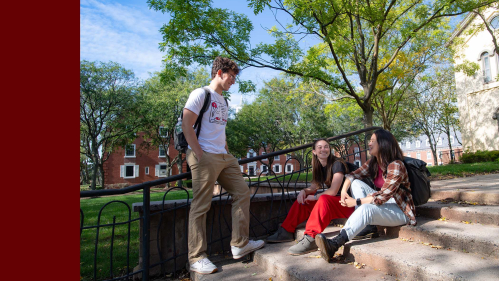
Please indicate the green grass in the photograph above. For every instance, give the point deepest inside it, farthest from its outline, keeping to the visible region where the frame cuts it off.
(91, 208)
(462, 170)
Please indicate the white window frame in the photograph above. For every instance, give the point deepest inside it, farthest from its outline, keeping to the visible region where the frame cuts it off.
(408, 154)
(427, 142)
(418, 143)
(440, 141)
(407, 144)
(289, 165)
(486, 69)
(146, 171)
(452, 139)
(158, 170)
(242, 168)
(135, 171)
(265, 159)
(164, 150)
(277, 165)
(130, 156)
(250, 153)
(428, 155)
(165, 131)
(277, 157)
(418, 155)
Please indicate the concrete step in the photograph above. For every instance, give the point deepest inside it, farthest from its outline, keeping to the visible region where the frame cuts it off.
(482, 240)
(482, 189)
(488, 214)
(414, 261)
(274, 263)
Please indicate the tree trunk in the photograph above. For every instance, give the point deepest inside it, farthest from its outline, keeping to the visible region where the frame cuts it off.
(95, 156)
(101, 169)
(368, 116)
(179, 167)
(450, 147)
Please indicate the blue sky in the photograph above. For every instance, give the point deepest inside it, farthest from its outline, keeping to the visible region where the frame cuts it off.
(127, 32)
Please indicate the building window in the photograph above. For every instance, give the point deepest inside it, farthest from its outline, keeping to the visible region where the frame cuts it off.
(439, 153)
(288, 156)
(251, 153)
(276, 157)
(130, 150)
(486, 67)
(251, 170)
(162, 151)
(161, 170)
(129, 171)
(356, 150)
(289, 168)
(427, 142)
(418, 143)
(408, 154)
(265, 159)
(452, 139)
(418, 155)
(428, 155)
(242, 168)
(277, 168)
(495, 22)
(407, 144)
(147, 171)
(429, 164)
(163, 132)
(264, 168)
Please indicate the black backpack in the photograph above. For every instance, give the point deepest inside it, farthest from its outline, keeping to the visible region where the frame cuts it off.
(419, 179)
(179, 140)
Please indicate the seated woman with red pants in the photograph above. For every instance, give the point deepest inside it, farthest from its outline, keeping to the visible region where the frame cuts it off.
(319, 209)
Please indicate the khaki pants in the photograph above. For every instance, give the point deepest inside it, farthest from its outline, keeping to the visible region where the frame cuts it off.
(223, 168)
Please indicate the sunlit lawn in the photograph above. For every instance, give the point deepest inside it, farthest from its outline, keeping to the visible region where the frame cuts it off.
(120, 212)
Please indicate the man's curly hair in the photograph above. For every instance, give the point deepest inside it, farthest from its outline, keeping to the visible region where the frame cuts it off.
(225, 64)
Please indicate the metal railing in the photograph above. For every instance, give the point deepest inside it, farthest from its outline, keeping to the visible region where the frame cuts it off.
(102, 248)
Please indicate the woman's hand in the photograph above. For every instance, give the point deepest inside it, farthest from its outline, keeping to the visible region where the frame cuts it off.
(301, 196)
(349, 202)
(344, 196)
(310, 198)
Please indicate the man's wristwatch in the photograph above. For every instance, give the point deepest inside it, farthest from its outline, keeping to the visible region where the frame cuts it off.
(358, 202)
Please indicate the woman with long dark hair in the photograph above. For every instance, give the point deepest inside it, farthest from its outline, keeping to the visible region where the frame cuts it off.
(392, 205)
(319, 209)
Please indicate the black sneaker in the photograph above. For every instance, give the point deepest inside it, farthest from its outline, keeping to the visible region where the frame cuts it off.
(370, 231)
(329, 246)
(281, 235)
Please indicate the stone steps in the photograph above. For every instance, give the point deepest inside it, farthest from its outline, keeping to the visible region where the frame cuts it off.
(457, 238)
(488, 214)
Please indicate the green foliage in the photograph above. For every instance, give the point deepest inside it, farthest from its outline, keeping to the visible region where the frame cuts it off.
(480, 156)
(462, 170)
(110, 103)
(358, 41)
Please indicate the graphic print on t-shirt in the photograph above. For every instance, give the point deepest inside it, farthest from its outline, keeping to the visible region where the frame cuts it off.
(218, 113)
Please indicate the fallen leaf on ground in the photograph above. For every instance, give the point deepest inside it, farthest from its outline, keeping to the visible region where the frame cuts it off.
(436, 247)
(427, 244)
(466, 222)
(253, 274)
(442, 219)
(314, 256)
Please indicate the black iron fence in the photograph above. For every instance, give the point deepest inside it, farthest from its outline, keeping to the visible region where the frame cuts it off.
(111, 238)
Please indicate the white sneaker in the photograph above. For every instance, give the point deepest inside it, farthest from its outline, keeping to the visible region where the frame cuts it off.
(238, 253)
(204, 266)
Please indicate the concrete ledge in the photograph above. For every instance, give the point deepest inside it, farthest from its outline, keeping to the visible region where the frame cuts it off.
(460, 212)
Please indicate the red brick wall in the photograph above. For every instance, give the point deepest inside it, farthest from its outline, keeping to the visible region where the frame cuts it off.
(143, 158)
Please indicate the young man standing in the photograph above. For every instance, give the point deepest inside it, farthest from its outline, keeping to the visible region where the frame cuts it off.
(209, 160)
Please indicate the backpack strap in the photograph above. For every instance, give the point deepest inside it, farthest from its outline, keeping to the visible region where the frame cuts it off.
(206, 104)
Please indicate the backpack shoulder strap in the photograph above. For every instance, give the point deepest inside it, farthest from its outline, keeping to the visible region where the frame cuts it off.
(206, 104)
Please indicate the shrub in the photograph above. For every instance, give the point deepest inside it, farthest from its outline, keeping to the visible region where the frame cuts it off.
(480, 156)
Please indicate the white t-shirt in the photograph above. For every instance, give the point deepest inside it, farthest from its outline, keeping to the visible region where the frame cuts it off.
(212, 135)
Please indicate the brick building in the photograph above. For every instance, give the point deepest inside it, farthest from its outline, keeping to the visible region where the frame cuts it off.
(420, 149)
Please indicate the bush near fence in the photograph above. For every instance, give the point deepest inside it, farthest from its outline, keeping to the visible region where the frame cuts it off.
(480, 156)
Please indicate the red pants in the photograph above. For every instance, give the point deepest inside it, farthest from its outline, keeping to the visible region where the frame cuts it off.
(319, 214)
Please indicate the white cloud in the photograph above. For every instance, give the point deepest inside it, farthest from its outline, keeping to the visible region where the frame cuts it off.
(110, 31)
